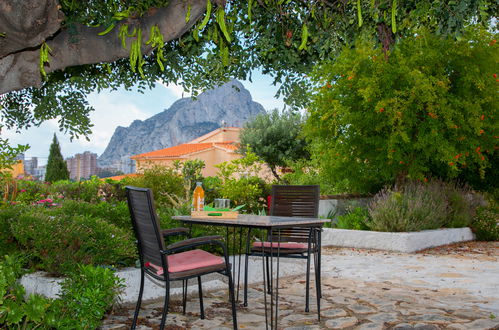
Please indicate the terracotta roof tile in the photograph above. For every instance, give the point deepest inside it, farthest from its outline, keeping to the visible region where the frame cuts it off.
(230, 145)
(180, 150)
(121, 177)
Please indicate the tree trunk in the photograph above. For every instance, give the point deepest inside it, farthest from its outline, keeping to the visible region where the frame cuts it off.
(274, 172)
(19, 59)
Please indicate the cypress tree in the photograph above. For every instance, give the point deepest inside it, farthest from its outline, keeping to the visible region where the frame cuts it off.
(57, 168)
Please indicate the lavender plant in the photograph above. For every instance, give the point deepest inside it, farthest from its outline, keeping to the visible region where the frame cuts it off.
(412, 206)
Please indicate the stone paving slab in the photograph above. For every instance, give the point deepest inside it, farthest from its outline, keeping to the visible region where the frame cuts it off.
(361, 290)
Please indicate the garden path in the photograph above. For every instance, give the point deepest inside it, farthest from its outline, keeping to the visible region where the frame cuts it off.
(452, 287)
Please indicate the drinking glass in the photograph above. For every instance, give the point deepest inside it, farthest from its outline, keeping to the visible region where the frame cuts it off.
(222, 203)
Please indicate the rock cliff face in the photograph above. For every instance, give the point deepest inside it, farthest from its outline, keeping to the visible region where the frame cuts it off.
(185, 120)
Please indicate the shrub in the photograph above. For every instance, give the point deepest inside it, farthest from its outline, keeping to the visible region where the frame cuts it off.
(15, 310)
(241, 184)
(306, 172)
(212, 186)
(413, 206)
(87, 191)
(356, 218)
(7, 242)
(248, 191)
(114, 213)
(86, 294)
(462, 205)
(486, 223)
(31, 191)
(57, 242)
(161, 180)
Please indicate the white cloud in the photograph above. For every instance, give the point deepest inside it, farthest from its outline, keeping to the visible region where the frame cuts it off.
(176, 90)
(111, 110)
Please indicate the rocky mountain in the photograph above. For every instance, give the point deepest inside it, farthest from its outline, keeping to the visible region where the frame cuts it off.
(185, 120)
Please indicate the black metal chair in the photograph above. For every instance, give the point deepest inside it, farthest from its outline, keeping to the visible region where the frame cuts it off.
(294, 242)
(177, 261)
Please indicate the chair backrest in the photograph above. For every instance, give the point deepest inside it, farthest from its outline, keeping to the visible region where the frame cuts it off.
(146, 226)
(295, 201)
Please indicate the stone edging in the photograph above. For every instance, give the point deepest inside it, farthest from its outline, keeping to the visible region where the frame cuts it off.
(40, 283)
(50, 287)
(407, 242)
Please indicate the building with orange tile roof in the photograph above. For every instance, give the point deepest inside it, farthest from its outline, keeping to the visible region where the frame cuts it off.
(213, 148)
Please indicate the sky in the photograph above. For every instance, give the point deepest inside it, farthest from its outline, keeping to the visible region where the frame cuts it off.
(120, 108)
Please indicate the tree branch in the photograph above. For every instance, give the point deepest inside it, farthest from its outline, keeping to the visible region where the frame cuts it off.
(274, 172)
(27, 23)
(84, 46)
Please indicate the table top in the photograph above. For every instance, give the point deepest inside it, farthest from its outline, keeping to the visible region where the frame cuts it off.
(251, 220)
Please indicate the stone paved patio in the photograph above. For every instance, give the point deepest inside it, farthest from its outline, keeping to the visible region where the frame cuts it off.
(454, 287)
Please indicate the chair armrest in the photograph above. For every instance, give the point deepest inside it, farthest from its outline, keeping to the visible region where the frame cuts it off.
(193, 242)
(175, 231)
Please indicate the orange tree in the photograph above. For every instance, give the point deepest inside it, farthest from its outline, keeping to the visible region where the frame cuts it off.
(430, 107)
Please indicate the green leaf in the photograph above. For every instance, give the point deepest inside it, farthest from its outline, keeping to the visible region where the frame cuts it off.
(122, 14)
(359, 13)
(35, 308)
(44, 58)
(250, 5)
(237, 208)
(206, 16)
(188, 14)
(304, 37)
(224, 53)
(123, 34)
(106, 31)
(15, 312)
(221, 23)
(394, 12)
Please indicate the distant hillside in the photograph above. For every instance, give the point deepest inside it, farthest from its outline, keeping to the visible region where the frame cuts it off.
(185, 120)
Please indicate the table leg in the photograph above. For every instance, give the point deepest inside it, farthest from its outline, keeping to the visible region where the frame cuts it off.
(264, 283)
(277, 278)
(239, 251)
(234, 277)
(248, 237)
(318, 281)
(319, 253)
(271, 279)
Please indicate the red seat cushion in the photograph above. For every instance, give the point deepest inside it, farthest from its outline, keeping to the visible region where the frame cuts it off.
(281, 245)
(194, 259)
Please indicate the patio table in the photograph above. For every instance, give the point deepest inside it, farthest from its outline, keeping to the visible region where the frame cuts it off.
(269, 223)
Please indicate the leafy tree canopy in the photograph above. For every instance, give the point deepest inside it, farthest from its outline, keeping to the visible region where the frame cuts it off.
(57, 168)
(276, 138)
(54, 52)
(431, 108)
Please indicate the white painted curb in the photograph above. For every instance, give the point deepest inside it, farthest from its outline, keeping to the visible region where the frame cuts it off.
(50, 287)
(407, 242)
